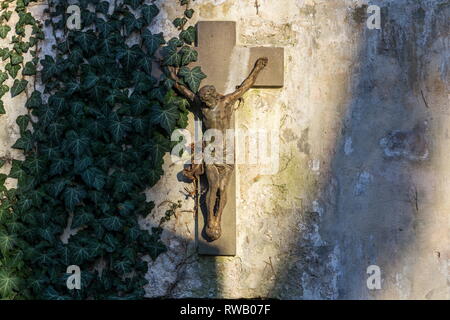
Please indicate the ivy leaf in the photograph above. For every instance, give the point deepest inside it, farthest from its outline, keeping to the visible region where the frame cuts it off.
(12, 69)
(35, 100)
(8, 282)
(90, 80)
(157, 147)
(179, 22)
(48, 233)
(57, 102)
(154, 175)
(152, 41)
(16, 59)
(79, 253)
(192, 77)
(73, 196)
(59, 165)
(4, 29)
(156, 248)
(107, 45)
(55, 130)
(165, 116)
(86, 40)
(123, 267)
(118, 127)
(171, 56)
(111, 242)
(2, 108)
(16, 171)
(189, 13)
(112, 223)
(189, 35)
(81, 164)
(3, 77)
(25, 142)
(129, 57)
(50, 152)
(57, 186)
(81, 218)
(125, 208)
(51, 294)
(50, 68)
(131, 23)
(22, 121)
(147, 65)
(24, 204)
(34, 164)
(29, 69)
(18, 87)
(94, 178)
(76, 143)
(188, 55)
(103, 7)
(149, 12)
(175, 43)
(133, 3)
(7, 242)
(122, 184)
(133, 233)
(95, 248)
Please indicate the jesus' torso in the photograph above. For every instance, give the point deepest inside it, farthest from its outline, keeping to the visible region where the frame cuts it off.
(219, 116)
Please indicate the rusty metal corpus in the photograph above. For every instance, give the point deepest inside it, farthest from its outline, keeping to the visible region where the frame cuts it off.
(217, 111)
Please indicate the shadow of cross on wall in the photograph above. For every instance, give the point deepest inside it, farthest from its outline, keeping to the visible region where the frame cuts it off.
(226, 66)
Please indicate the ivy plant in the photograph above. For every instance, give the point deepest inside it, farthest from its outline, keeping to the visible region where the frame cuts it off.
(15, 44)
(94, 140)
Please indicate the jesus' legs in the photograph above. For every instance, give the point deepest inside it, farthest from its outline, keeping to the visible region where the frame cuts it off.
(218, 179)
(212, 174)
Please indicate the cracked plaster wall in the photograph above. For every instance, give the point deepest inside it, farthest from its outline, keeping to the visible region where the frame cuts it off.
(340, 202)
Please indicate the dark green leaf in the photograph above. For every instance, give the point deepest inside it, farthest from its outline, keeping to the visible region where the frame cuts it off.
(18, 87)
(192, 77)
(73, 196)
(165, 116)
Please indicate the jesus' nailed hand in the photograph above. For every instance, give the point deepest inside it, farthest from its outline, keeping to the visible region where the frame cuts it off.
(217, 111)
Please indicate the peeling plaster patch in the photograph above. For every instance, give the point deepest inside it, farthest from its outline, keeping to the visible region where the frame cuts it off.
(161, 275)
(364, 180)
(315, 165)
(303, 144)
(265, 32)
(289, 135)
(411, 145)
(317, 207)
(403, 285)
(334, 266)
(325, 286)
(348, 148)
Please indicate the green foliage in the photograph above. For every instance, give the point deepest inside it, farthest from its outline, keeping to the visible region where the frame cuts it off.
(100, 130)
(12, 247)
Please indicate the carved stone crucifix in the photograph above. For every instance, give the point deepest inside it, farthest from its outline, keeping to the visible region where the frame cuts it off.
(226, 65)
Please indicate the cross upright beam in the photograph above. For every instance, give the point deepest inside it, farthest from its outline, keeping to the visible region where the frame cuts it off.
(226, 66)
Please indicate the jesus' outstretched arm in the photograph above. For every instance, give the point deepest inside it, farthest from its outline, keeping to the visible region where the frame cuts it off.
(260, 64)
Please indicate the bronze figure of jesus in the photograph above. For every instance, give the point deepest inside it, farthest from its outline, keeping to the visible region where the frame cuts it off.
(217, 111)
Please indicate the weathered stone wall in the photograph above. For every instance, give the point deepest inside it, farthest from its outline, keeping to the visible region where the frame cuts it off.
(363, 123)
(342, 200)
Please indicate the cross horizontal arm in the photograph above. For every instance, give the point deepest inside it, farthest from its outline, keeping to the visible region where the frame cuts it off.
(248, 83)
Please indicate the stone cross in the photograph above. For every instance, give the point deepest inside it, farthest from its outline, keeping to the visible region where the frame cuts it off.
(226, 66)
